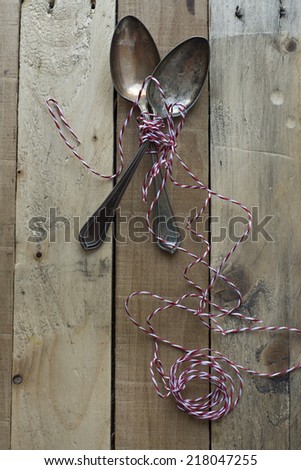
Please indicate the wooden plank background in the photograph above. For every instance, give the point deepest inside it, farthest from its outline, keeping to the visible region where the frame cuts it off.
(9, 37)
(77, 385)
(62, 340)
(159, 422)
(255, 157)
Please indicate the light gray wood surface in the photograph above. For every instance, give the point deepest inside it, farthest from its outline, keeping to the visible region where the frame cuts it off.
(62, 342)
(255, 158)
(9, 45)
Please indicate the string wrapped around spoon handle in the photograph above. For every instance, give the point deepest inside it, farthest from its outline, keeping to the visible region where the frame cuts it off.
(165, 229)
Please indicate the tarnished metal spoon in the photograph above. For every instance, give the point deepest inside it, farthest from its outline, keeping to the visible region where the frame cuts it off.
(182, 74)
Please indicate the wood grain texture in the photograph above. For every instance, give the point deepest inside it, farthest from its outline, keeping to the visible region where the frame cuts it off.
(142, 419)
(62, 343)
(255, 158)
(9, 40)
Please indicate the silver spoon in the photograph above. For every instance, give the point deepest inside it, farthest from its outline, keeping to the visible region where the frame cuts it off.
(181, 74)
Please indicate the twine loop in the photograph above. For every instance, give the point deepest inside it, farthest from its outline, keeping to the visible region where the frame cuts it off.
(206, 366)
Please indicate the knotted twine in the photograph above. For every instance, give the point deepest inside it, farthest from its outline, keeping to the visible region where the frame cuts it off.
(205, 365)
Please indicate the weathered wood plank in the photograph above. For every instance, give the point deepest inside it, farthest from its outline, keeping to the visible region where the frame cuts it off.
(9, 35)
(255, 158)
(144, 421)
(62, 343)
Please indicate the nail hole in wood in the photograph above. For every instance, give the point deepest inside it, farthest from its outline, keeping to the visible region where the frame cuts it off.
(191, 6)
(17, 379)
(39, 254)
(51, 4)
(238, 12)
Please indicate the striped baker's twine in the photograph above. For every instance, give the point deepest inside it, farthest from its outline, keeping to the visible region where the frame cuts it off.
(60, 121)
(204, 365)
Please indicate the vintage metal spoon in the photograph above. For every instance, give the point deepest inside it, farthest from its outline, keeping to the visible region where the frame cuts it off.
(182, 74)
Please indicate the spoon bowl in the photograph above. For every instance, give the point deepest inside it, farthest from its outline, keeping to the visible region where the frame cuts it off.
(181, 74)
(133, 56)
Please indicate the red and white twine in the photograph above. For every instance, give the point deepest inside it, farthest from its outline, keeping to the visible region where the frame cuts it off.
(204, 365)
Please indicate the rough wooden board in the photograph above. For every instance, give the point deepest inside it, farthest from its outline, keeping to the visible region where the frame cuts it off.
(9, 34)
(255, 158)
(62, 343)
(142, 419)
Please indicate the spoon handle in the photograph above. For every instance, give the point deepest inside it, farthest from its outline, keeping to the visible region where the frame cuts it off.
(164, 224)
(93, 233)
